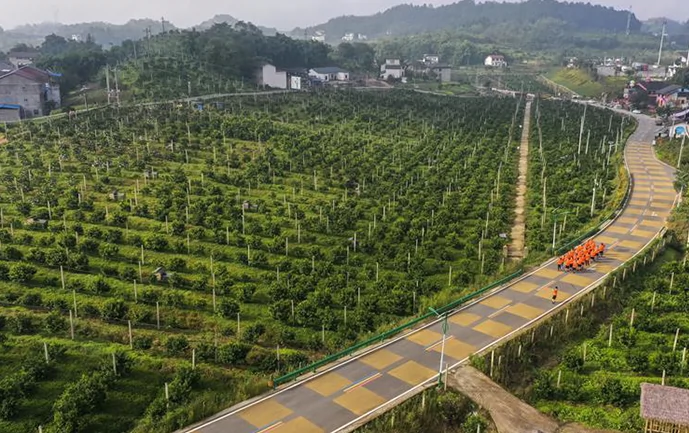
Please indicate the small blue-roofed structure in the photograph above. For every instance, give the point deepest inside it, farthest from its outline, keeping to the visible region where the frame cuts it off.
(10, 112)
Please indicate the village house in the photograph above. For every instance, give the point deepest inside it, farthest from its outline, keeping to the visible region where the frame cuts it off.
(319, 36)
(36, 92)
(392, 68)
(270, 76)
(664, 408)
(673, 96)
(496, 61)
(443, 72)
(22, 58)
(431, 59)
(331, 73)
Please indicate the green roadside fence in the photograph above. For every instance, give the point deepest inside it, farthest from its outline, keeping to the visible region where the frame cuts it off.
(576, 241)
(390, 333)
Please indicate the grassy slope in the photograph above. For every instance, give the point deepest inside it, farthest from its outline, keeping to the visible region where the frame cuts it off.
(581, 83)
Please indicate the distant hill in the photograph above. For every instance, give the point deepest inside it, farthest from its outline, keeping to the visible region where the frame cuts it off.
(410, 19)
(655, 25)
(229, 19)
(105, 34)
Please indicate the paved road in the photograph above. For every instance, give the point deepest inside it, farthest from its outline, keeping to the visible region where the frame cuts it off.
(337, 398)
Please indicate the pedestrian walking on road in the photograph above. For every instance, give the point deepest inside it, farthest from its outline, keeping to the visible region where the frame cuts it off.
(555, 294)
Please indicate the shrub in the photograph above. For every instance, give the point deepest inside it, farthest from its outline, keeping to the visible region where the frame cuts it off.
(98, 285)
(233, 353)
(77, 400)
(142, 342)
(32, 300)
(176, 345)
(108, 251)
(253, 332)
(114, 309)
(573, 360)
(54, 322)
(228, 308)
(21, 272)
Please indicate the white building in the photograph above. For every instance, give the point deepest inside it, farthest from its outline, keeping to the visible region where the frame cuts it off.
(496, 60)
(269, 76)
(431, 59)
(332, 73)
(348, 37)
(391, 69)
(319, 36)
(20, 58)
(294, 82)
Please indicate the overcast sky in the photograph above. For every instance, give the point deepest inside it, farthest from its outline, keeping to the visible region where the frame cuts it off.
(282, 14)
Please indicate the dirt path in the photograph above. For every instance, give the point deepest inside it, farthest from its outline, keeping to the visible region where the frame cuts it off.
(509, 414)
(515, 250)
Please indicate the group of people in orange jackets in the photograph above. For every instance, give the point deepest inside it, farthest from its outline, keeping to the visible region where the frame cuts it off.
(576, 259)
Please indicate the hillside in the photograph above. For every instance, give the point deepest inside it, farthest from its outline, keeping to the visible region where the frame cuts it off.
(410, 19)
(103, 33)
(655, 25)
(229, 19)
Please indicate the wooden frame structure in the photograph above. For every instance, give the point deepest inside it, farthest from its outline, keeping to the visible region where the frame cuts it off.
(665, 409)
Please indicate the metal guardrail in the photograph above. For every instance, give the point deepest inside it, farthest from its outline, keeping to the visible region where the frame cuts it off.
(390, 333)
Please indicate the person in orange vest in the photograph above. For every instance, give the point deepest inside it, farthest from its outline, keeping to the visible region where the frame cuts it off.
(555, 294)
(560, 261)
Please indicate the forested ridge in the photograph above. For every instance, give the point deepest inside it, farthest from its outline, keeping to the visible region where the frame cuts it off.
(182, 63)
(409, 19)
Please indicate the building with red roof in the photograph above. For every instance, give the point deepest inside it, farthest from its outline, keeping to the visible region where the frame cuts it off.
(36, 91)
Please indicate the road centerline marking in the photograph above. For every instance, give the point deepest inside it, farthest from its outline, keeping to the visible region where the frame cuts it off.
(430, 347)
(366, 380)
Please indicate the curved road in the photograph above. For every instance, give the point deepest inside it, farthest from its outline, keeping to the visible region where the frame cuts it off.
(339, 398)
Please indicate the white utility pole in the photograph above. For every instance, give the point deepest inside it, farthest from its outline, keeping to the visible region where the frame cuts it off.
(107, 82)
(662, 40)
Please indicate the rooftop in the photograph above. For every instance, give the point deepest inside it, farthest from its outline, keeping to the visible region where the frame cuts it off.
(665, 403)
(23, 54)
(5, 67)
(30, 73)
(653, 86)
(328, 70)
(669, 89)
